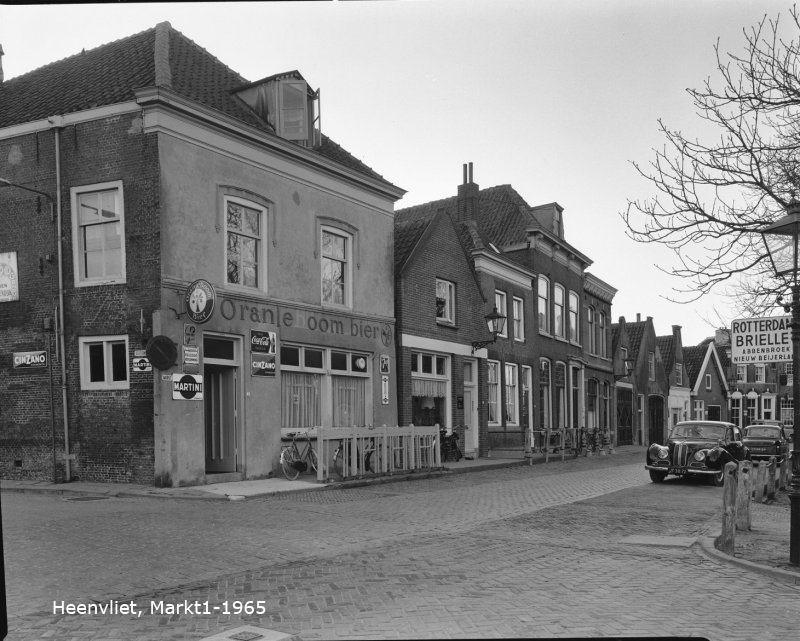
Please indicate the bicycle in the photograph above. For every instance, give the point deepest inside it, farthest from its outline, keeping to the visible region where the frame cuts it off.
(449, 445)
(293, 461)
(370, 458)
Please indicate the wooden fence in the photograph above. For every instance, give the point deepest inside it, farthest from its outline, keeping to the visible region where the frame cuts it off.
(367, 451)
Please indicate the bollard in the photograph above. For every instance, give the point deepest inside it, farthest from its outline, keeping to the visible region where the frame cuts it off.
(743, 496)
(785, 472)
(761, 481)
(771, 479)
(725, 542)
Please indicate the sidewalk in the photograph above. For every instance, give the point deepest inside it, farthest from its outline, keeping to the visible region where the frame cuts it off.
(764, 549)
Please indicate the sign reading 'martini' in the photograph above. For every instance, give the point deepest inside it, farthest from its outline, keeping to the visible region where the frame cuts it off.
(761, 340)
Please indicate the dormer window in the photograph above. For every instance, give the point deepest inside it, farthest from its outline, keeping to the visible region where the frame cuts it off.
(288, 105)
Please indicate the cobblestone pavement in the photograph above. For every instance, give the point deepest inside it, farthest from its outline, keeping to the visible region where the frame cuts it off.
(543, 552)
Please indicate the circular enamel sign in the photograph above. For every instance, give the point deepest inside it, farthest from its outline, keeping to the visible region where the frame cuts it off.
(200, 298)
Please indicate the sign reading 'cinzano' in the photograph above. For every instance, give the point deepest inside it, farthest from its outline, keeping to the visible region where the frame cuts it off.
(761, 340)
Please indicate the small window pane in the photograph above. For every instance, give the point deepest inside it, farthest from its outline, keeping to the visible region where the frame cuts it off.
(313, 358)
(440, 365)
(427, 364)
(339, 361)
(218, 348)
(96, 363)
(119, 362)
(290, 355)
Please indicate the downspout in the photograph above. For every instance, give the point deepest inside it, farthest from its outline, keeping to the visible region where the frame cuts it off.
(56, 122)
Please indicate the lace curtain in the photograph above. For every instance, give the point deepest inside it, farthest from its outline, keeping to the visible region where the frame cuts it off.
(300, 397)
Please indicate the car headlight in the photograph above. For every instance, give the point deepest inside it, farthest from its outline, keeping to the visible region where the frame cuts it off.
(658, 451)
(700, 455)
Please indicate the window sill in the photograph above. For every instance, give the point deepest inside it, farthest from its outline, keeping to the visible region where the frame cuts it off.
(441, 323)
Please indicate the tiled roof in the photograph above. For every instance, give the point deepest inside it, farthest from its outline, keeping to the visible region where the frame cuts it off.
(666, 346)
(693, 360)
(113, 72)
(503, 217)
(635, 334)
(406, 237)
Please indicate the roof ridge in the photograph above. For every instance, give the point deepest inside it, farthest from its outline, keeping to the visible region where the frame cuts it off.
(163, 71)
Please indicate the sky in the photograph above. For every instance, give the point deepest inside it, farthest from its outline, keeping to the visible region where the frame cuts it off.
(553, 97)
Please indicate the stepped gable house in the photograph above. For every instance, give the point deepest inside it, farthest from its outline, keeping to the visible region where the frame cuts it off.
(189, 268)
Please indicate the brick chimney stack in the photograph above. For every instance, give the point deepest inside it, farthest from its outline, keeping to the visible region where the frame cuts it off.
(467, 197)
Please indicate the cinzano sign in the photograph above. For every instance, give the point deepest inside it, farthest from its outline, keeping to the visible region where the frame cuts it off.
(761, 340)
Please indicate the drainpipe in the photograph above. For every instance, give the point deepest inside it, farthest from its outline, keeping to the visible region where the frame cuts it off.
(56, 122)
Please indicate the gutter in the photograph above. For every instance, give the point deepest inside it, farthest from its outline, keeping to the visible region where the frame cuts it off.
(56, 123)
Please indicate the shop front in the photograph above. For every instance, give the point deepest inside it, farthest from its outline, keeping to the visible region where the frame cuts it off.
(251, 370)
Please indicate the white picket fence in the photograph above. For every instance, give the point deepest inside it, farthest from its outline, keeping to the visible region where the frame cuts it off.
(387, 450)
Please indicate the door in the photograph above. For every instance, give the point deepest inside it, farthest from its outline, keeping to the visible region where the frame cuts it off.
(624, 416)
(656, 416)
(220, 417)
(470, 407)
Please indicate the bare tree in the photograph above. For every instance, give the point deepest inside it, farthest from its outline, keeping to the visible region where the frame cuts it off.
(711, 198)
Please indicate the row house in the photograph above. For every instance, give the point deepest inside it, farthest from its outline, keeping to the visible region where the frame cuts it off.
(193, 269)
(551, 366)
(707, 382)
(643, 383)
(679, 396)
(757, 391)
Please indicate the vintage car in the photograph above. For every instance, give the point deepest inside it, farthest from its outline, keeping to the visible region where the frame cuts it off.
(764, 441)
(697, 448)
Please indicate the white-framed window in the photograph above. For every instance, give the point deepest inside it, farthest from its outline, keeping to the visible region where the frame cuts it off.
(590, 318)
(708, 382)
(574, 318)
(245, 225)
(430, 388)
(699, 410)
(445, 302)
(767, 408)
(761, 373)
(736, 410)
(98, 234)
(335, 248)
(592, 404)
(543, 304)
(560, 397)
(741, 373)
(789, 368)
(752, 409)
(519, 318)
(651, 365)
(787, 411)
(493, 398)
(602, 340)
(558, 311)
(512, 394)
(678, 374)
(103, 362)
(502, 307)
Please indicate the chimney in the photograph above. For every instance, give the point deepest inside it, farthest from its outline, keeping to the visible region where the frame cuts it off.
(1, 64)
(467, 197)
(638, 317)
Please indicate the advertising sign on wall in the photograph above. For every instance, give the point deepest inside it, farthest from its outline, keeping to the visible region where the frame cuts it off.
(187, 387)
(263, 346)
(9, 277)
(761, 340)
(30, 359)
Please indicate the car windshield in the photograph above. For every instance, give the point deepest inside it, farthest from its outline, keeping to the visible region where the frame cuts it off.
(698, 430)
(762, 431)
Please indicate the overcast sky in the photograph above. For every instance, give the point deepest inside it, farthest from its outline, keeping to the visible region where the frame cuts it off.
(554, 97)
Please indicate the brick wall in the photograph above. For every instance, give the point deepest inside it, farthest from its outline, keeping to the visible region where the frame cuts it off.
(111, 433)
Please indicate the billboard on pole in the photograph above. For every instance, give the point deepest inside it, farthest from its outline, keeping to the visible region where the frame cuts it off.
(761, 340)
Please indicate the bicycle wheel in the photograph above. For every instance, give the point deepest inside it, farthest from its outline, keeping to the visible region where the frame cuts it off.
(338, 463)
(289, 457)
(311, 457)
(372, 461)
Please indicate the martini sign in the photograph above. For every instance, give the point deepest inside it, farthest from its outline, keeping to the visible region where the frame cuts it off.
(761, 340)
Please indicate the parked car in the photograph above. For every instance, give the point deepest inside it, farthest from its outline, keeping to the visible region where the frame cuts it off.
(697, 448)
(764, 441)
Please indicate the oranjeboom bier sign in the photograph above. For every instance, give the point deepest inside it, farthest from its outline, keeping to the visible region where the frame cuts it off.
(761, 340)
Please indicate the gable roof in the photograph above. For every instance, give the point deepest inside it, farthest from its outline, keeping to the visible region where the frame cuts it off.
(693, 358)
(666, 345)
(112, 73)
(635, 332)
(503, 216)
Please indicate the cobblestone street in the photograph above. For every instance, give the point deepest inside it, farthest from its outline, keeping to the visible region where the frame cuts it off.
(543, 551)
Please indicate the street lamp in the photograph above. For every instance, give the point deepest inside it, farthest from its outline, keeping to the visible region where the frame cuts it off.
(496, 322)
(781, 239)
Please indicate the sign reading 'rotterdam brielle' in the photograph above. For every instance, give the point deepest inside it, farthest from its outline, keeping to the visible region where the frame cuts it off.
(761, 340)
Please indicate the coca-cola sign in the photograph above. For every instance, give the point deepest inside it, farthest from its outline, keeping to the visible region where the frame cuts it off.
(262, 342)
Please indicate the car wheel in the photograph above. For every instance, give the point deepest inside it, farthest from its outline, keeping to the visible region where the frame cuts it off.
(657, 477)
(718, 480)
